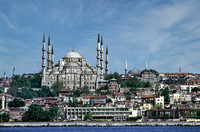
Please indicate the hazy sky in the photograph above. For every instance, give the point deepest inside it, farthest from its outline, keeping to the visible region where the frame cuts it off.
(164, 33)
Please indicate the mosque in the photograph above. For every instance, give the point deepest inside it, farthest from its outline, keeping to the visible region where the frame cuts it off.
(73, 70)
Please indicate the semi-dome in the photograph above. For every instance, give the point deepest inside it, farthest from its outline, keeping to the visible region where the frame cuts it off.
(134, 71)
(73, 54)
(71, 64)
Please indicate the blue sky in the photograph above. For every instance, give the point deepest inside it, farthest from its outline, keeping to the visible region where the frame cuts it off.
(164, 33)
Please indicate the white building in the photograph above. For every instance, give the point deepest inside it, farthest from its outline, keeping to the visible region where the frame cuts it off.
(73, 70)
(159, 101)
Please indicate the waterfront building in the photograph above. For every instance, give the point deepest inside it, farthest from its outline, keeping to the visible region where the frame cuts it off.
(100, 113)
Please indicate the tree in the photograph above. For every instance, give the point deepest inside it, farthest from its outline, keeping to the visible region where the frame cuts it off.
(195, 89)
(133, 82)
(109, 100)
(36, 80)
(165, 93)
(132, 89)
(26, 93)
(88, 117)
(46, 92)
(85, 90)
(116, 76)
(123, 84)
(70, 102)
(128, 97)
(147, 84)
(16, 103)
(57, 86)
(36, 113)
(4, 117)
(166, 116)
(172, 86)
(77, 93)
(198, 114)
(52, 112)
(25, 82)
(73, 103)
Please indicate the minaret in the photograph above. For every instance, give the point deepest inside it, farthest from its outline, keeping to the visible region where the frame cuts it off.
(101, 60)
(126, 68)
(52, 57)
(3, 102)
(4, 75)
(43, 61)
(180, 70)
(106, 69)
(48, 52)
(13, 72)
(98, 60)
(146, 66)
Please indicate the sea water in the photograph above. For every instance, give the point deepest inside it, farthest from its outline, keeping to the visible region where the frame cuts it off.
(104, 129)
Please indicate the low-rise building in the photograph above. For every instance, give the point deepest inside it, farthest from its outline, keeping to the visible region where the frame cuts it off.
(119, 97)
(159, 101)
(99, 113)
(65, 92)
(113, 86)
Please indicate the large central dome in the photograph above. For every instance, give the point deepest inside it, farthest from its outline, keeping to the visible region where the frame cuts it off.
(73, 54)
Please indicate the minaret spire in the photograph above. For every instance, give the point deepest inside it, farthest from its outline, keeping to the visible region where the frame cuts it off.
(101, 60)
(146, 66)
(49, 53)
(98, 60)
(4, 74)
(43, 61)
(106, 69)
(13, 72)
(3, 102)
(126, 67)
(52, 57)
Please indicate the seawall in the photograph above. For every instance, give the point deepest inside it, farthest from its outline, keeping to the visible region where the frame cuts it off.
(88, 124)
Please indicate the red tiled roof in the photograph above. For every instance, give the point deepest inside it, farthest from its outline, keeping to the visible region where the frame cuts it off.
(98, 103)
(119, 94)
(147, 96)
(65, 90)
(99, 97)
(87, 97)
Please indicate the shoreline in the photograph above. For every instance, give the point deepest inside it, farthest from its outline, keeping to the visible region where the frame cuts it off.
(95, 124)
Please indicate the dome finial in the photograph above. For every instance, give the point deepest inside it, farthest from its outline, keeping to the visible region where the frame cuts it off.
(73, 49)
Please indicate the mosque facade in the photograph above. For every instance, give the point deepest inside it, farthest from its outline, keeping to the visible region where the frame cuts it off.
(73, 70)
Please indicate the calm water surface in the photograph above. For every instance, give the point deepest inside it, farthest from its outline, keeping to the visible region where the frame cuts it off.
(103, 129)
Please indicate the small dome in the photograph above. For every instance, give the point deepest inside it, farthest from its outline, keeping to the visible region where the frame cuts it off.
(134, 72)
(73, 54)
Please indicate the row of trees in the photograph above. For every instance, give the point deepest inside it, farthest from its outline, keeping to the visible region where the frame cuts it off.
(16, 103)
(28, 82)
(4, 117)
(28, 93)
(36, 113)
